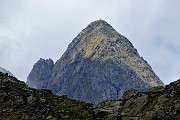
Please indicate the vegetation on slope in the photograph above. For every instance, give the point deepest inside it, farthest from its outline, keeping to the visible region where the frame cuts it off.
(19, 102)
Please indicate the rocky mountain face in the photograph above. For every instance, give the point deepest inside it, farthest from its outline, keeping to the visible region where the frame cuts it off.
(41, 73)
(19, 102)
(99, 64)
(159, 103)
(5, 71)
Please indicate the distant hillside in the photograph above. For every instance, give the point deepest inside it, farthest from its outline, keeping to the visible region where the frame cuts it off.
(5, 71)
(99, 64)
(18, 102)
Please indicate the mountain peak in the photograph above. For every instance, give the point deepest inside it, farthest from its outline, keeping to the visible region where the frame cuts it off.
(99, 26)
(99, 40)
(97, 64)
(99, 22)
(98, 35)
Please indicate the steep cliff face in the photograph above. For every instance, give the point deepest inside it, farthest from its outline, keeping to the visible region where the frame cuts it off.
(100, 64)
(40, 74)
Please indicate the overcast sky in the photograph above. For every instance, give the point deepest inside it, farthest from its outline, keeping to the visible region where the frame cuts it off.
(34, 29)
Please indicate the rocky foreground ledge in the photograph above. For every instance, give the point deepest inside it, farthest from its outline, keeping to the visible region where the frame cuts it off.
(159, 103)
(19, 102)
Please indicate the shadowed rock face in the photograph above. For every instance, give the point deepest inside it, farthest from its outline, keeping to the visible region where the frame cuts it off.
(40, 74)
(159, 103)
(99, 64)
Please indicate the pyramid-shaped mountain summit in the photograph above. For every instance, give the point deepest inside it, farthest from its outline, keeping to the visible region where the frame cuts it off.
(99, 64)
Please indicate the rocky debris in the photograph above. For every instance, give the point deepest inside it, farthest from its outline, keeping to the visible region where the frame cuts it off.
(159, 103)
(19, 102)
(99, 64)
(40, 74)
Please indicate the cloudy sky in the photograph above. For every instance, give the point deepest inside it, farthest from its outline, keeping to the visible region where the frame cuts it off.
(33, 29)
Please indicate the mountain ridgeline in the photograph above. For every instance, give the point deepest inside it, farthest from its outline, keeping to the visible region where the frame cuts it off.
(99, 64)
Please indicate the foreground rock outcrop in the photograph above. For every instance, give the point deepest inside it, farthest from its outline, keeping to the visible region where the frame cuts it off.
(99, 64)
(160, 103)
(19, 102)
